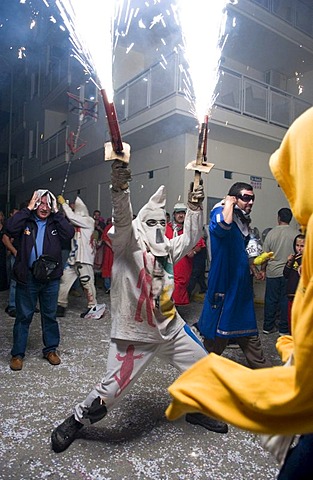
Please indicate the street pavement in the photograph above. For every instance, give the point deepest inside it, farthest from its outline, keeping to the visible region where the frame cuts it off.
(135, 440)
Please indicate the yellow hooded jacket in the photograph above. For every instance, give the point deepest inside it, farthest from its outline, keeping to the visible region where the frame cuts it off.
(277, 400)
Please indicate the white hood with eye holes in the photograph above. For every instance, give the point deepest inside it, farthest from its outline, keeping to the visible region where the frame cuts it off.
(154, 237)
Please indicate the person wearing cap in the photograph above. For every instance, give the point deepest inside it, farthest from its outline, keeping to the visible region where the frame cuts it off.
(145, 322)
(40, 229)
(183, 268)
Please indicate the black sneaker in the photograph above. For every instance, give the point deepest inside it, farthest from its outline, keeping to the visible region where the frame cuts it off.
(207, 422)
(65, 434)
(60, 311)
(270, 331)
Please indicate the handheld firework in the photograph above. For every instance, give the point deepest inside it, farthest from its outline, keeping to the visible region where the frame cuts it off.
(115, 149)
(201, 165)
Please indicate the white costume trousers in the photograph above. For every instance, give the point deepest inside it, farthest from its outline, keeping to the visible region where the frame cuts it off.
(127, 360)
(85, 273)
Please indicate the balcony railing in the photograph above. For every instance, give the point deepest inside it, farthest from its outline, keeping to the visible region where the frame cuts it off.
(149, 88)
(54, 148)
(298, 13)
(236, 92)
(247, 96)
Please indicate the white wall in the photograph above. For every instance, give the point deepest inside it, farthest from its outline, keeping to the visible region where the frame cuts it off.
(244, 163)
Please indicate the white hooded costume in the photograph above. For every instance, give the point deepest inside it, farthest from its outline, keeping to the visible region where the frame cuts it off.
(83, 245)
(81, 257)
(145, 322)
(139, 311)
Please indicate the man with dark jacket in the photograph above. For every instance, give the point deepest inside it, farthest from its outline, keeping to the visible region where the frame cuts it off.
(40, 229)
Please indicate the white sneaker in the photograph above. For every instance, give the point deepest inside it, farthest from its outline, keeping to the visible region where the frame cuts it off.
(95, 312)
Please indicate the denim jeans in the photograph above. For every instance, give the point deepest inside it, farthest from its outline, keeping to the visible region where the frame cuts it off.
(298, 464)
(107, 283)
(26, 298)
(276, 304)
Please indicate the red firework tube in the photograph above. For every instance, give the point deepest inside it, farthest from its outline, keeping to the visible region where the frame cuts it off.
(114, 128)
(202, 142)
(205, 140)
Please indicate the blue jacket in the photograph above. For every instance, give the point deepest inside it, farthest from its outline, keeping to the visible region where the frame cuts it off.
(21, 225)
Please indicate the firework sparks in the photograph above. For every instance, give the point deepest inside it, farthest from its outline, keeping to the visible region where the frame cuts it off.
(203, 26)
(95, 38)
(92, 36)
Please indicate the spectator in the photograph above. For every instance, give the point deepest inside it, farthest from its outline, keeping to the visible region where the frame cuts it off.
(292, 272)
(40, 229)
(280, 241)
(80, 261)
(228, 311)
(183, 268)
(11, 245)
(99, 224)
(145, 323)
(198, 268)
(3, 257)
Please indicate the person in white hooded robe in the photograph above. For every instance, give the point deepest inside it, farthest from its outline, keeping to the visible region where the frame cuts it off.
(145, 323)
(80, 261)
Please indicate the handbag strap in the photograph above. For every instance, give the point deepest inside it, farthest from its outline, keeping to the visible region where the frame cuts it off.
(35, 244)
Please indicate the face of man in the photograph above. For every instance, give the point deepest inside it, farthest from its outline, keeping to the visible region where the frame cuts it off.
(179, 217)
(96, 215)
(43, 210)
(245, 200)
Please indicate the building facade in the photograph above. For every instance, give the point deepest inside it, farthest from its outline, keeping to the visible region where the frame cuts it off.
(53, 126)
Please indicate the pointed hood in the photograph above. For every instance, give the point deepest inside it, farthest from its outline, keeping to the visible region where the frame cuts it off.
(292, 166)
(154, 236)
(80, 208)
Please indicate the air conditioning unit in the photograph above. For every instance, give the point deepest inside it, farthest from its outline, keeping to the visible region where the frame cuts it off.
(276, 79)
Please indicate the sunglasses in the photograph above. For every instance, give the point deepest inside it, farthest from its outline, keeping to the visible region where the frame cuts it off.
(246, 198)
(153, 223)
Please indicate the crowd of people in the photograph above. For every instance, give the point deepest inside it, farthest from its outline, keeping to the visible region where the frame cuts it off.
(48, 233)
(150, 263)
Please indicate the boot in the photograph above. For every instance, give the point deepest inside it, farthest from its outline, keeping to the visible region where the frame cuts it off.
(65, 434)
(207, 422)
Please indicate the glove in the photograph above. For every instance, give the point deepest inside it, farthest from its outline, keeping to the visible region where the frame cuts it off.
(195, 198)
(61, 199)
(120, 176)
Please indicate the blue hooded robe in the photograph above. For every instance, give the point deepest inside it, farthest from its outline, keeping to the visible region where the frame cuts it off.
(228, 309)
